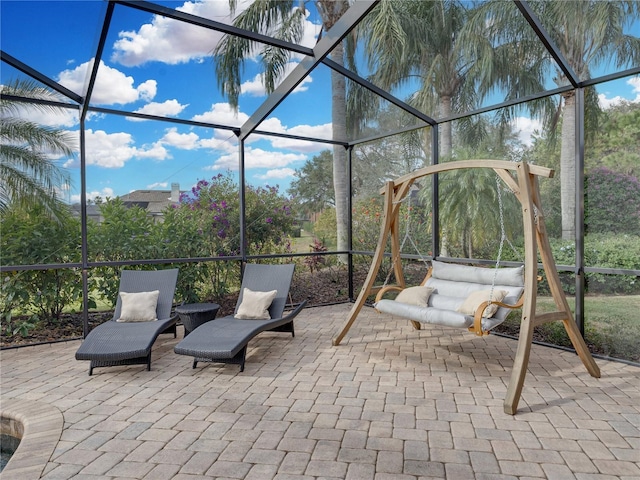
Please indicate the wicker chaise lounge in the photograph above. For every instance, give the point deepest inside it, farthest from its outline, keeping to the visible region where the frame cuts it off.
(129, 342)
(225, 340)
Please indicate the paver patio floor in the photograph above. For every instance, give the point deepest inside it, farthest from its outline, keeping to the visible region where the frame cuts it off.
(389, 403)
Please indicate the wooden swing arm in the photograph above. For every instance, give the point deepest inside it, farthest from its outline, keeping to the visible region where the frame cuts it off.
(477, 317)
(389, 288)
(496, 165)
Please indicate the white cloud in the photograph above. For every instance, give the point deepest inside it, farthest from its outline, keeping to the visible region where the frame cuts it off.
(112, 86)
(222, 141)
(104, 193)
(256, 88)
(158, 185)
(257, 158)
(165, 109)
(184, 141)
(635, 83)
(526, 128)
(277, 173)
(155, 152)
(606, 102)
(274, 125)
(114, 150)
(222, 114)
(172, 42)
(109, 150)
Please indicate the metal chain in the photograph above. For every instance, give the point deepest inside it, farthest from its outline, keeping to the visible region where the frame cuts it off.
(407, 236)
(503, 237)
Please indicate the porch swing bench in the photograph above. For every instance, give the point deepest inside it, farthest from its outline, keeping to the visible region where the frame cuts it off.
(449, 291)
(459, 296)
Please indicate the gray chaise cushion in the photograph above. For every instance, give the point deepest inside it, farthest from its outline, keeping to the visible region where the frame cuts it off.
(223, 338)
(113, 343)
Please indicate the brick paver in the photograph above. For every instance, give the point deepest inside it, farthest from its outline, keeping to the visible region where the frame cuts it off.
(389, 403)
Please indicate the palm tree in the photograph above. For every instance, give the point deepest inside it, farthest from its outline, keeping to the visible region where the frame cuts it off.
(588, 33)
(29, 176)
(422, 42)
(284, 19)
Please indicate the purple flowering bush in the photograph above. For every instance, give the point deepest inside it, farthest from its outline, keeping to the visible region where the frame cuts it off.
(206, 223)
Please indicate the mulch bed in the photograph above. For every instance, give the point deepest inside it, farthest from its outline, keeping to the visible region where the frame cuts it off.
(326, 286)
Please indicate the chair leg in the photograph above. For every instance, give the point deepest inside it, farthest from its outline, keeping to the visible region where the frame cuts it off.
(149, 363)
(195, 363)
(91, 369)
(243, 357)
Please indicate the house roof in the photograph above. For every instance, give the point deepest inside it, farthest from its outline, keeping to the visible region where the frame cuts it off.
(154, 201)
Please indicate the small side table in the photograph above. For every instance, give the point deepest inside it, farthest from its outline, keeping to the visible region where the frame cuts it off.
(195, 314)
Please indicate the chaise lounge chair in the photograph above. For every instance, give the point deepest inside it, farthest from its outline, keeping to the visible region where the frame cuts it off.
(127, 338)
(225, 340)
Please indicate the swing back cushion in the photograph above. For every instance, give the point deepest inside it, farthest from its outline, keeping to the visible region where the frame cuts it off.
(453, 287)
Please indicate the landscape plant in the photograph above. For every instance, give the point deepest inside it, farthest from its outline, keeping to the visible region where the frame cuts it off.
(206, 224)
(612, 202)
(125, 233)
(34, 238)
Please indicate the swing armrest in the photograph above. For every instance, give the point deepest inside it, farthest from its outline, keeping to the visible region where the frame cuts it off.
(384, 290)
(477, 317)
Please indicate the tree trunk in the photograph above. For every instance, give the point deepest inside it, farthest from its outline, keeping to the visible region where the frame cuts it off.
(340, 177)
(445, 129)
(568, 168)
(444, 152)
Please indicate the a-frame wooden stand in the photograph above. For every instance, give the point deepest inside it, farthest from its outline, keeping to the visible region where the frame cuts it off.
(526, 189)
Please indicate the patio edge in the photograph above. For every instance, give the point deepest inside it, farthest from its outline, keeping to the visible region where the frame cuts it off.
(42, 424)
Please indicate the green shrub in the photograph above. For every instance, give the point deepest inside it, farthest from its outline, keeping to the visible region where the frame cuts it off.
(206, 223)
(33, 238)
(325, 228)
(604, 251)
(612, 202)
(126, 233)
(612, 251)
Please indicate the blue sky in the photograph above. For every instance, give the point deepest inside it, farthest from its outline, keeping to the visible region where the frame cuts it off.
(158, 66)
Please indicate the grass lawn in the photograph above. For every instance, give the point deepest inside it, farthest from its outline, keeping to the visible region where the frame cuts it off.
(301, 244)
(612, 325)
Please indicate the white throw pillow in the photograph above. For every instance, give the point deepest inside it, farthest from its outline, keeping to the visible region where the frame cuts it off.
(255, 305)
(473, 301)
(138, 307)
(415, 296)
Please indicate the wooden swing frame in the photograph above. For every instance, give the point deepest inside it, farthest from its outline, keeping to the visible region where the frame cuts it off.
(526, 189)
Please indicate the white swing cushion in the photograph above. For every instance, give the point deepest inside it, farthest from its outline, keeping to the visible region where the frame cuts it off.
(473, 301)
(452, 284)
(415, 296)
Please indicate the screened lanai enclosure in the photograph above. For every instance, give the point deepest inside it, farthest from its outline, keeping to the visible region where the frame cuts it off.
(207, 134)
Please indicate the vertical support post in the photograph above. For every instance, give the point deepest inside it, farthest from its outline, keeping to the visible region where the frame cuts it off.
(84, 108)
(350, 219)
(243, 217)
(525, 339)
(435, 192)
(84, 251)
(579, 260)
